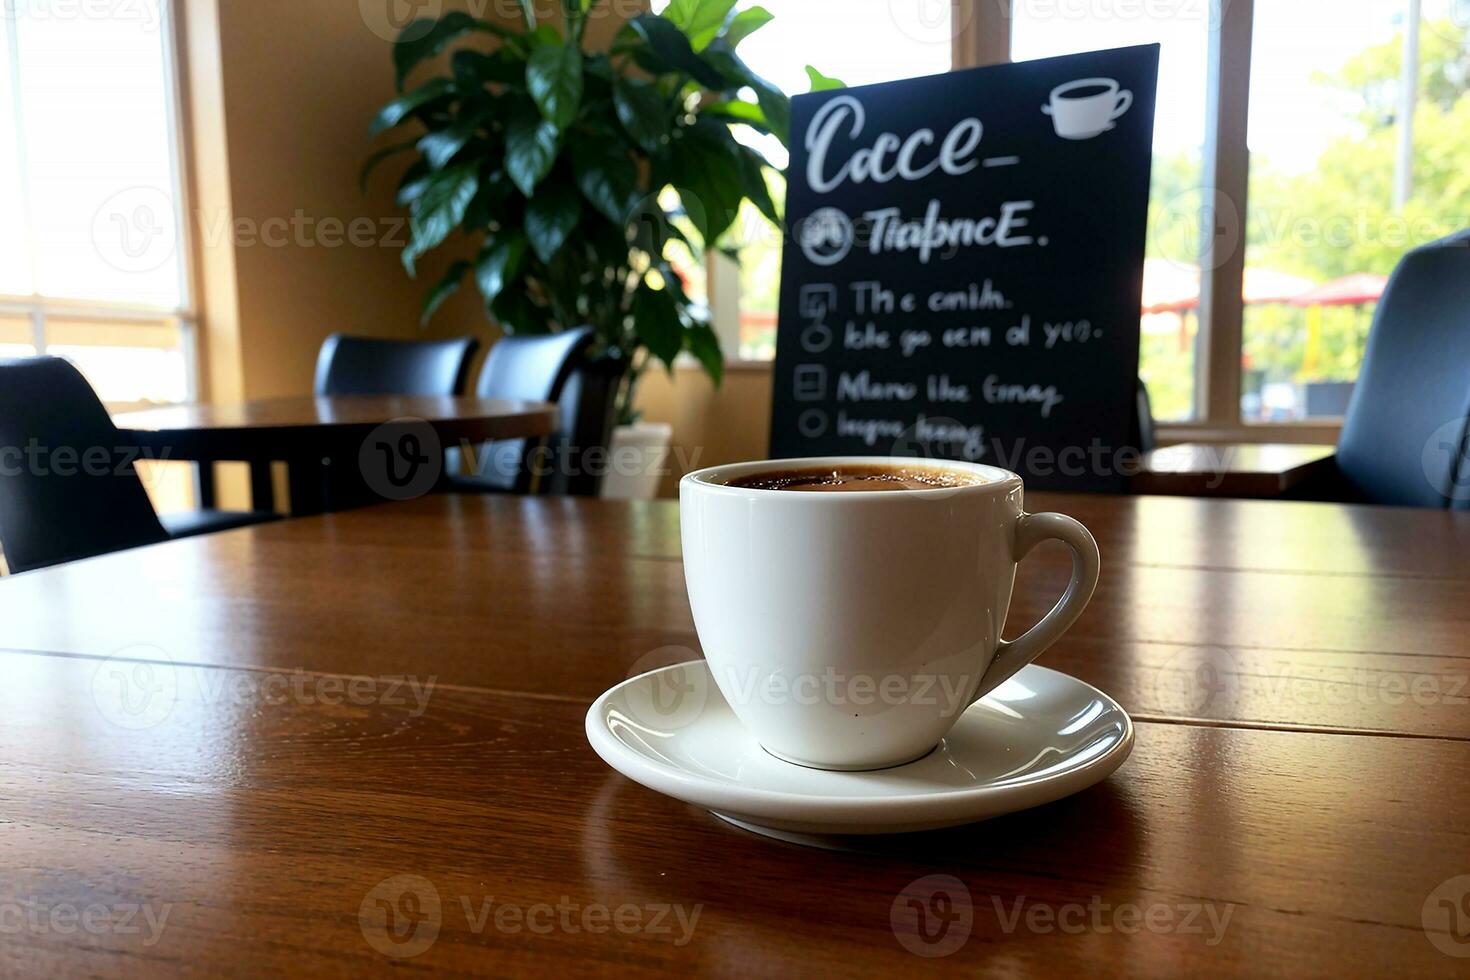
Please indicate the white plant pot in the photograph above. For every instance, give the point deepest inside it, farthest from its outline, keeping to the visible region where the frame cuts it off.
(638, 457)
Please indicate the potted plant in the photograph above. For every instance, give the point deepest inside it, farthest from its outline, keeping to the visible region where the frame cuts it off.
(569, 172)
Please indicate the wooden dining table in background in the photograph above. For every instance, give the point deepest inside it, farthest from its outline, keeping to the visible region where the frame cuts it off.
(317, 437)
(327, 743)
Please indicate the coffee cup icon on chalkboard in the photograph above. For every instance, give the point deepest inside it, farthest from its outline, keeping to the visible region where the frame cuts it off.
(1083, 108)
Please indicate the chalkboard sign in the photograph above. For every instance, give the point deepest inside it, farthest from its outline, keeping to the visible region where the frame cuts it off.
(963, 271)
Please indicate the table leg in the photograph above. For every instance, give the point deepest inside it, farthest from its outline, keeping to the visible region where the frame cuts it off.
(204, 484)
(262, 489)
(308, 482)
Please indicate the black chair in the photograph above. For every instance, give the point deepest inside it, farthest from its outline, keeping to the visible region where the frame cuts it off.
(542, 369)
(68, 488)
(1144, 436)
(349, 365)
(1404, 438)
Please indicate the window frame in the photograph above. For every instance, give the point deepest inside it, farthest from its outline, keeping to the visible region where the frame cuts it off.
(982, 36)
(38, 308)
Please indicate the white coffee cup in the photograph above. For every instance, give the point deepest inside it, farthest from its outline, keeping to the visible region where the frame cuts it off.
(850, 630)
(1084, 107)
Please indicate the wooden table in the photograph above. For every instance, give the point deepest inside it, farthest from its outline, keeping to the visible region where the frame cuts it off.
(1236, 469)
(258, 733)
(321, 438)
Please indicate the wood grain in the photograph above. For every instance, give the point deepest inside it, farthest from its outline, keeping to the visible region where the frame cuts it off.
(262, 822)
(252, 731)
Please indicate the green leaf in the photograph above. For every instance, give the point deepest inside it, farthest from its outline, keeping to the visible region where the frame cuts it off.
(442, 290)
(700, 20)
(378, 157)
(554, 79)
(439, 209)
(412, 183)
(669, 45)
(706, 170)
(550, 217)
(531, 145)
(499, 264)
(701, 341)
(440, 146)
(425, 38)
(642, 111)
(753, 183)
(656, 322)
(607, 175)
(746, 23)
(773, 102)
(400, 108)
(517, 313)
(504, 66)
(820, 82)
(745, 112)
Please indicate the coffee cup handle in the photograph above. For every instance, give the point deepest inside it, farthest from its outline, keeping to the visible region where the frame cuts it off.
(1125, 100)
(1031, 530)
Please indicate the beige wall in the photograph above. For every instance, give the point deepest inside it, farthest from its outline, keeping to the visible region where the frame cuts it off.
(710, 426)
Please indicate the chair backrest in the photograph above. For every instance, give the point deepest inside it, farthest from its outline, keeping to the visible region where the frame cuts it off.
(1404, 437)
(1145, 437)
(538, 369)
(68, 488)
(350, 365)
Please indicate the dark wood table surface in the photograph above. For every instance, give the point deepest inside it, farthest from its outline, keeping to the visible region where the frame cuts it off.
(313, 434)
(1234, 469)
(321, 743)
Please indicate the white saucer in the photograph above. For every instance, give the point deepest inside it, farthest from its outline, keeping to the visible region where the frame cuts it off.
(1040, 736)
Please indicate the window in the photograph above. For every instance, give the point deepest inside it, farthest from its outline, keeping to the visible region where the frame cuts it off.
(1340, 188)
(92, 263)
(1169, 328)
